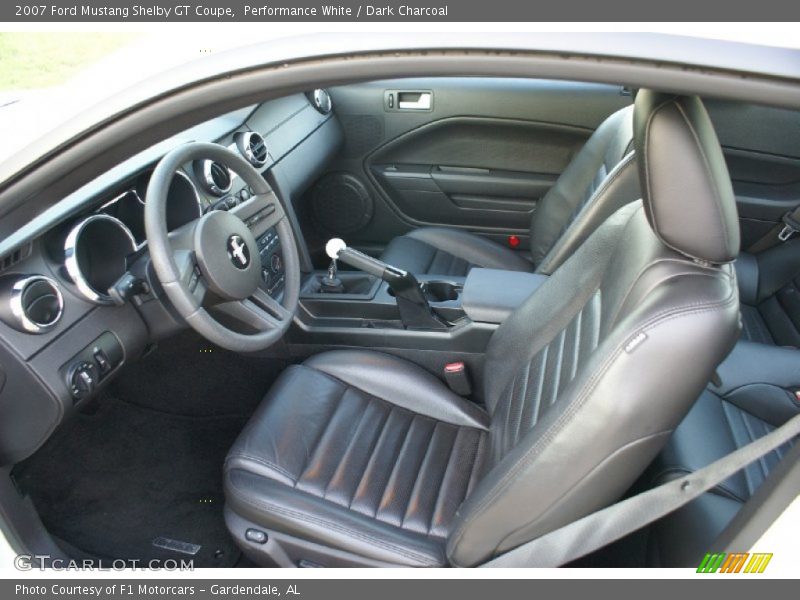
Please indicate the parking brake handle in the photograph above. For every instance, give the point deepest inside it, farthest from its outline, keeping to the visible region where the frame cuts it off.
(415, 310)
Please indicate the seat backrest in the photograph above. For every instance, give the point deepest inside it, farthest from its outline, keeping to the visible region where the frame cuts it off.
(586, 380)
(769, 286)
(600, 179)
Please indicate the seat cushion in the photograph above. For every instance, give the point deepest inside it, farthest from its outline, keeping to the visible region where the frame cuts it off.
(361, 452)
(441, 251)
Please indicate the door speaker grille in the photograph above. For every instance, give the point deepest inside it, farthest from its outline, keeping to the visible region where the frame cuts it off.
(341, 204)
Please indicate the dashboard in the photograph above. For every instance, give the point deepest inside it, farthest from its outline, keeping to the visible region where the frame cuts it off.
(78, 293)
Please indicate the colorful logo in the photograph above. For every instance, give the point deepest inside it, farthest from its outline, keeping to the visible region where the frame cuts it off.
(736, 562)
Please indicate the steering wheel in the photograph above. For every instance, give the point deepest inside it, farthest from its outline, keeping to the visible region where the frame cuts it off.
(215, 261)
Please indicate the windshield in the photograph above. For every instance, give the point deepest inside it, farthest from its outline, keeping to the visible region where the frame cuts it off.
(48, 77)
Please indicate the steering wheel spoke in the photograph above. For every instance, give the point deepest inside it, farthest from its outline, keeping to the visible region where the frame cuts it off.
(183, 237)
(260, 311)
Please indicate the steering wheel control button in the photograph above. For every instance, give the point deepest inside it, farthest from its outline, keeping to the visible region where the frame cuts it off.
(238, 252)
(272, 267)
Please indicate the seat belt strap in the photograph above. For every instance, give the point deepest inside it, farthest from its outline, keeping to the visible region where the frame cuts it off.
(599, 529)
(789, 225)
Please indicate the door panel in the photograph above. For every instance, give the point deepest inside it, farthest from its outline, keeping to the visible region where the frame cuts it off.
(762, 150)
(476, 172)
(475, 153)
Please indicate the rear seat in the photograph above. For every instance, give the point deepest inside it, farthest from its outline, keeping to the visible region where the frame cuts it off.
(756, 395)
(769, 290)
(759, 383)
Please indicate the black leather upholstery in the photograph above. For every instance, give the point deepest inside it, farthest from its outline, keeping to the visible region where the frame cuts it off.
(360, 451)
(580, 392)
(754, 398)
(443, 251)
(769, 285)
(600, 179)
(702, 221)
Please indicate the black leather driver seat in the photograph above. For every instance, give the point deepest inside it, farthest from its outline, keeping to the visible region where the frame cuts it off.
(356, 457)
(600, 179)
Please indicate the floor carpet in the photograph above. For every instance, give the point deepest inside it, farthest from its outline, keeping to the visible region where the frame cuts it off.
(146, 462)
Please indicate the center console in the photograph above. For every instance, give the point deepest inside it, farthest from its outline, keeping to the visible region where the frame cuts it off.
(381, 307)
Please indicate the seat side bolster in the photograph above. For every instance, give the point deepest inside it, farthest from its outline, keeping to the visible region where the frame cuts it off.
(401, 383)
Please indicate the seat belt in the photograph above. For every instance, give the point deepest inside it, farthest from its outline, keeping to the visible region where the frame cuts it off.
(789, 225)
(599, 529)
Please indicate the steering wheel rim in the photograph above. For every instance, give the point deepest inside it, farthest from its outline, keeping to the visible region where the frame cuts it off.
(193, 264)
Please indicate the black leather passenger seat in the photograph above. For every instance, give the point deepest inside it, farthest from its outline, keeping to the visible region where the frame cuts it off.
(598, 181)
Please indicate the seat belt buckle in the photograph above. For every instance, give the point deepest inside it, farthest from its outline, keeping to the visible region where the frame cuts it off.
(457, 378)
(790, 227)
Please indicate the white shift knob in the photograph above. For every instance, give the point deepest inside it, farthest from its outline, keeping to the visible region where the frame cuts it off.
(334, 246)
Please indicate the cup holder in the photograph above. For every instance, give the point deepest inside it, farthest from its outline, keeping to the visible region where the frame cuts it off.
(440, 291)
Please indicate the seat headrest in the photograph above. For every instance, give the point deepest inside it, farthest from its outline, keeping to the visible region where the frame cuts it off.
(687, 191)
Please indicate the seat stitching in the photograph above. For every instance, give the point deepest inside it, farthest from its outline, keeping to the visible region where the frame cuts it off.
(536, 409)
(526, 400)
(759, 462)
(372, 457)
(428, 450)
(378, 542)
(394, 467)
(353, 439)
(315, 447)
(442, 478)
(559, 365)
(727, 408)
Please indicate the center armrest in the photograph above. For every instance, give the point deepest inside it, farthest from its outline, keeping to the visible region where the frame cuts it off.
(490, 295)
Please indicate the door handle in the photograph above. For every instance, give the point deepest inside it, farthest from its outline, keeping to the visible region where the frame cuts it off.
(414, 100)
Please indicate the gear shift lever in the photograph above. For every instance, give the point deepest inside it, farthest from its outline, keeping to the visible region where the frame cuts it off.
(415, 310)
(331, 284)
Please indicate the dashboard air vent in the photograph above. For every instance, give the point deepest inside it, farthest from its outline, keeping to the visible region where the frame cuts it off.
(252, 146)
(321, 100)
(215, 177)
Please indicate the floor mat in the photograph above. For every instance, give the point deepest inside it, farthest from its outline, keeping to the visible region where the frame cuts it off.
(113, 481)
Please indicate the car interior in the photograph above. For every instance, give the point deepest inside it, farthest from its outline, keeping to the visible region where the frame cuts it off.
(413, 322)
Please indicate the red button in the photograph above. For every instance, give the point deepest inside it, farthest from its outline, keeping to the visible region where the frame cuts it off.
(513, 241)
(454, 367)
